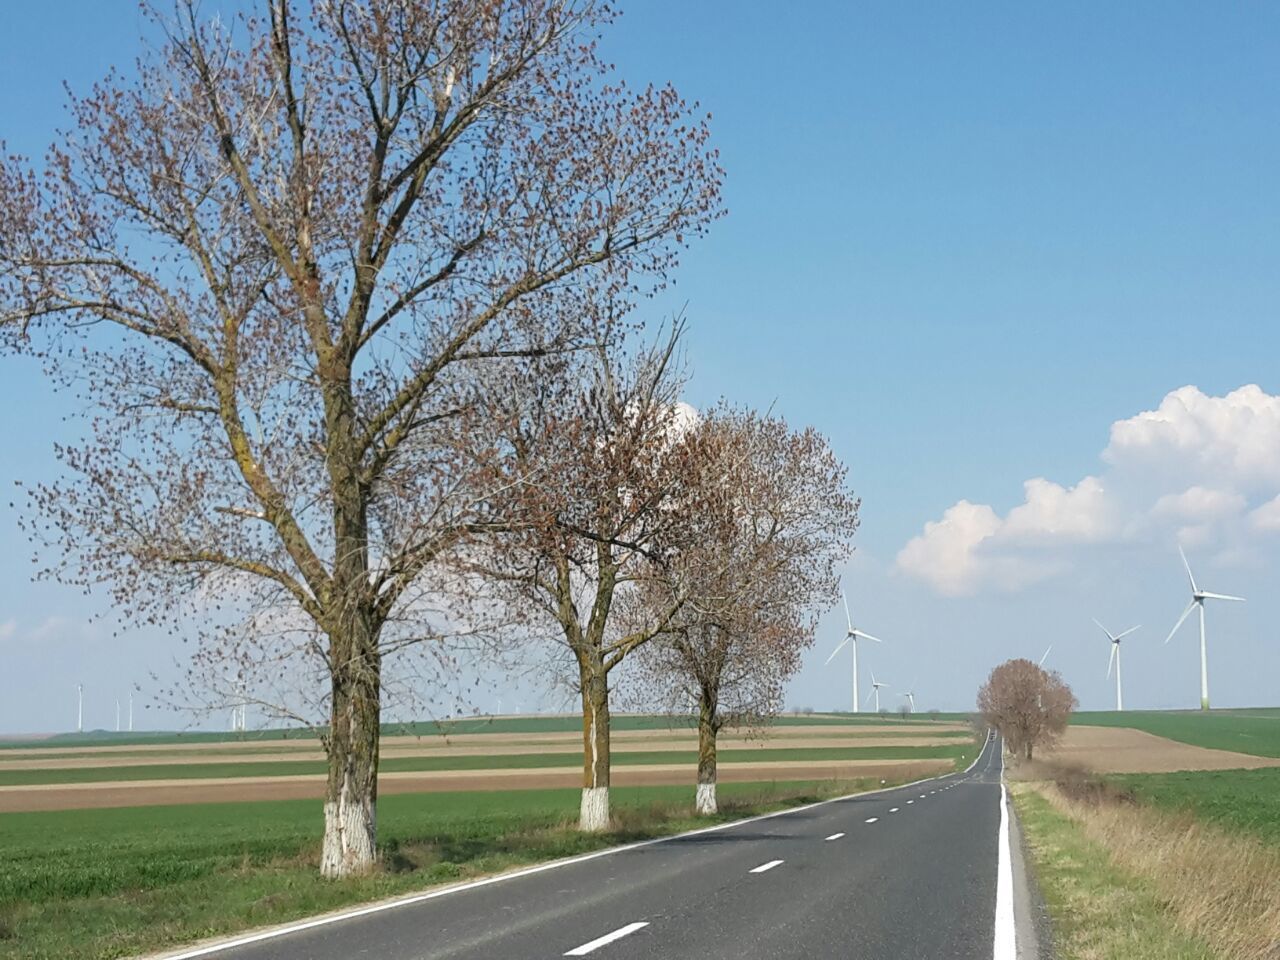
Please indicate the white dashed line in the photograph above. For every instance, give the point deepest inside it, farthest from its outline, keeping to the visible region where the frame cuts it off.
(835, 836)
(599, 942)
(872, 819)
(893, 809)
(910, 801)
(765, 866)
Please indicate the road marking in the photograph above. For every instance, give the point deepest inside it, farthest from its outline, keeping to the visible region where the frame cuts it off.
(893, 809)
(1006, 938)
(331, 919)
(922, 796)
(835, 836)
(599, 942)
(765, 866)
(910, 801)
(872, 819)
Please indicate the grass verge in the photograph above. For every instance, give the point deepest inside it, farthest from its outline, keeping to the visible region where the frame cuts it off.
(1098, 910)
(1110, 865)
(112, 883)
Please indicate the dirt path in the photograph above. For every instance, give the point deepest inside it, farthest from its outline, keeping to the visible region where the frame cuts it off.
(1124, 750)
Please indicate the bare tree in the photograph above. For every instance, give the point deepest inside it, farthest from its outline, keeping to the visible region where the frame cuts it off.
(753, 577)
(281, 265)
(609, 481)
(1030, 706)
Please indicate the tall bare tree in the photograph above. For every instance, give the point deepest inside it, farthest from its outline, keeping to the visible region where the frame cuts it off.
(609, 481)
(753, 579)
(274, 263)
(1029, 705)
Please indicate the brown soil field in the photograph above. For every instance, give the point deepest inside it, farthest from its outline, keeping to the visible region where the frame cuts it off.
(161, 792)
(487, 742)
(430, 749)
(1123, 750)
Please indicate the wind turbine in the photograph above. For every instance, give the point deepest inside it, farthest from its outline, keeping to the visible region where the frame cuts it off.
(1198, 597)
(79, 708)
(875, 688)
(911, 697)
(855, 635)
(1045, 655)
(1115, 639)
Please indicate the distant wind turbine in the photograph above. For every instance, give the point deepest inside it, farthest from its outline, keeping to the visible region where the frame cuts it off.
(79, 708)
(911, 696)
(1045, 656)
(1198, 597)
(1115, 639)
(855, 635)
(875, 689)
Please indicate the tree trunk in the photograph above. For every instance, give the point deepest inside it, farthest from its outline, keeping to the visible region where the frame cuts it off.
(594, 815)
(350, 808)
(1028, 750)
(705, 798)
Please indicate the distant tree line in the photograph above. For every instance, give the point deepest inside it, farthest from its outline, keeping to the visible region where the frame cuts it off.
(352, 301)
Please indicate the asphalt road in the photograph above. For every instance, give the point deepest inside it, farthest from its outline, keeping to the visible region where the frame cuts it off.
(909, 873)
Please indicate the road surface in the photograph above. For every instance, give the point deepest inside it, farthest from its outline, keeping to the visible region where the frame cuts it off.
(907, 873)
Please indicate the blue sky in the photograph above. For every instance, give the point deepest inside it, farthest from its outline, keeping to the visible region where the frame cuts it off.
(963, 241)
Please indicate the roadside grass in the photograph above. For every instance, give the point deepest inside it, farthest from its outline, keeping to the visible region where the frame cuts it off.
(1245, 801)
(525, 761)
(1219, 887)
(111, 883)
(1099, 911)
(1255, 731)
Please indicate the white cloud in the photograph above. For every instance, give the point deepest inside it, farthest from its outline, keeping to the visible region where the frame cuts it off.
(7, 629)
(1199, 503)
(1191, 469)
(1267, 516)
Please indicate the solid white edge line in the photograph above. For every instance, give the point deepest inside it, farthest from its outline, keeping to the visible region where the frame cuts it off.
(835, 836)
(1006, 935)
(327, 919)
(598, 942)
(765, 866)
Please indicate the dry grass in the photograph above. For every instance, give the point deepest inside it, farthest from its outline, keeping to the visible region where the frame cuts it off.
(1220, 887)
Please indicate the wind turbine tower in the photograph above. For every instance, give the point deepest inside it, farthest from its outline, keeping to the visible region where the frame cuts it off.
(1198, 597)
(1115, 659)
(79, 708)
(852, 634)
(875, 689)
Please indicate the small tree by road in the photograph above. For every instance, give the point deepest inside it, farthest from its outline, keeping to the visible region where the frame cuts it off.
(1028, 705)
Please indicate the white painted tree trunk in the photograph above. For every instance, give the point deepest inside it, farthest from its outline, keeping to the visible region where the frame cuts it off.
(594, 815)
(705, 802)
(349, 832)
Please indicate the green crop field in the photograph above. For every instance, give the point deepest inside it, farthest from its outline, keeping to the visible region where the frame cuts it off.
(112, 883)
(1241, 800)
(1255, 731)
(431, 728)
(202, 771)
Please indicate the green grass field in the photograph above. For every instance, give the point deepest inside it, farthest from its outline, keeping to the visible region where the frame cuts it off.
(111, 883)
(1255, 731)
(187, 771)
(1247, 801)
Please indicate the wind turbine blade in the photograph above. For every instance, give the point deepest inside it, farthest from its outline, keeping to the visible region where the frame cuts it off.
(1103, 629)
(1112, 662)
(1194, 589)
(848, 617)
(836, 650)
(1121, 636)
(1046, 654)
(1220, 596)
(866, 636)
(1185, 613)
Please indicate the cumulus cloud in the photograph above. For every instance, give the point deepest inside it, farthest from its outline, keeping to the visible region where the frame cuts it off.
(7, 629)
(1196, 468)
